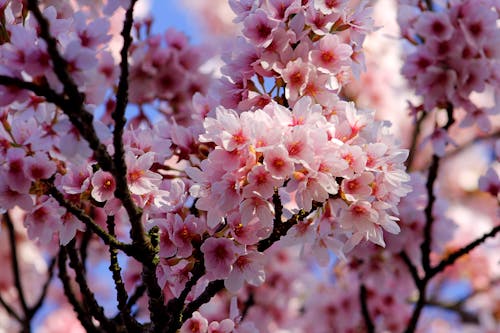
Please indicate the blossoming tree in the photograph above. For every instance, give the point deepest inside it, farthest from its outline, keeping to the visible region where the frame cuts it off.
(142, 193)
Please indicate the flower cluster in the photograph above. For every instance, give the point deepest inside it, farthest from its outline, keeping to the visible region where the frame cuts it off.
(168, 74)
(456, 55)
(249, 184)
(301, 146)
(298, 49)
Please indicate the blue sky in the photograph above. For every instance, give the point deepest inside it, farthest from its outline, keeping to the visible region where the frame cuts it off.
(171, 13)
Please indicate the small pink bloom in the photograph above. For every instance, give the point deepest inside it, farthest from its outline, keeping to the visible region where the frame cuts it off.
(434, 25)
(359, 187)
(39, 166)
(250, 268)
(277, 162)
(15, 177)
(248, 232)
(77, 179)
(439, 140)
(183, 233)
(260, 183)
(259, 28)
(225, 326)
(174, 277)
(9, 198)
(361, 218)
(44, 220)
(355, 158)
(104, 186)
(219, 255)
(196, 324)
(330, 6)
(296, 76)
(490, 182)
(69, 225)
(332, 55)
(140, 179)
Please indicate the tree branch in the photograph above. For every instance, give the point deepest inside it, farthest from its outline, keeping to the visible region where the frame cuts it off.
(363, 299)
(280, 229)
(121, 292)
(10, 310)
(15, 263)
(89, 222)
(96, 310)
(39, 90)
(45, 288)
(83, 317)
(456, 307)
(74, 105)
(452, 258)
(425, 247)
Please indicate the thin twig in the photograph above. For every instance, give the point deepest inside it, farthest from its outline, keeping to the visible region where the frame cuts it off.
(15, 262)
(45, 288)
(411, 267)
(121, 292)
(89, 222)
(280, 229)
(10, 310)
(138, 293)
(84, 317)
(465, 316)
(452, 258)
(414, 140)
(96, 310)
(363, 298)
(74, 109)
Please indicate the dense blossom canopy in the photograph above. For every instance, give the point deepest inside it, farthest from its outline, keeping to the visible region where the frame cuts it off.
(259, 190)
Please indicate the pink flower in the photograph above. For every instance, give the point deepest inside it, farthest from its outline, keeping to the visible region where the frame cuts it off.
(355, 158)
(282, 9)
(10, 198)
(173, 277)
(259, 28)
(225, 326)
(437, 85)
(277, 162)
(477, 21)
(196, 324)
(225, 130)
(297, 144)
(330, 6)
(140, 179)
(248, 232)
(219, 255)
(44, 220)
(77, 179)
(15, 177)
(479, 116)
(249, 268)
(39, 166)
(260, 183)
(332, 55)
(92, 34)
(490, 182)
(357, 188)
(69, 225)
(296, 76)
(183, 233)
(361, 218)
(434, 25)
(439, 140)
(104, 186)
